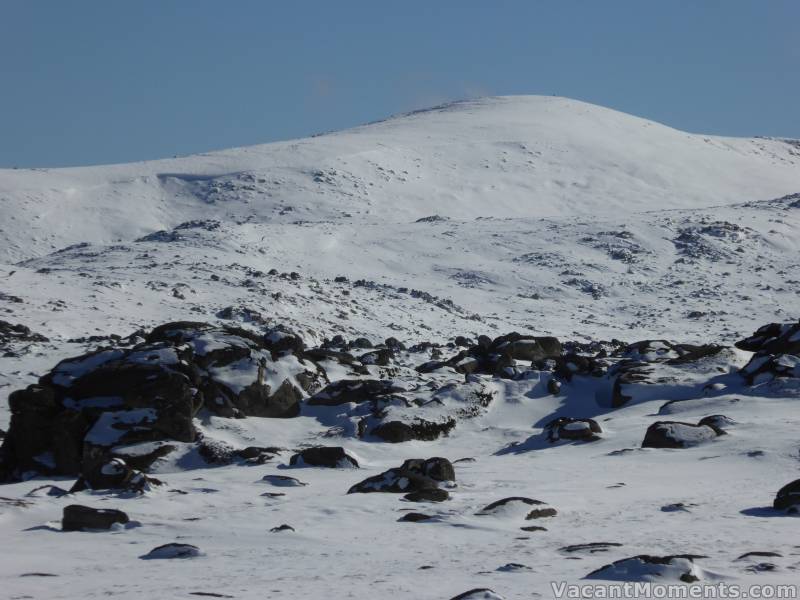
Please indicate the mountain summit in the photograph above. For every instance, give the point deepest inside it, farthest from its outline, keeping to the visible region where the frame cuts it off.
(511, 156)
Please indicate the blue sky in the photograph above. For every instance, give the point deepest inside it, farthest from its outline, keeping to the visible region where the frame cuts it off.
(85, 82)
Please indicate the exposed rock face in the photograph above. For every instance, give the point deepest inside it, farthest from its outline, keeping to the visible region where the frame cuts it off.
(414, 475)
(333, 457)
(774, 338)
(497, 357)
(13, 337)
(419, 429)
(675, 434)
(77, 414)
(113, 475)
(648, 362)
(788, 497)
(354, 390)
(777, 354)
(78, 518)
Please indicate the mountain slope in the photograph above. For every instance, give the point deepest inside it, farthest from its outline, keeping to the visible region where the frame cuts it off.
(526, 156)
(542, 216)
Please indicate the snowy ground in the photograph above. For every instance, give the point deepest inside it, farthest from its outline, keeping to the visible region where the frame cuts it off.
(554, 218)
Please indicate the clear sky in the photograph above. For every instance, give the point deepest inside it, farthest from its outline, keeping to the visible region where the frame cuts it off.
(84, 82)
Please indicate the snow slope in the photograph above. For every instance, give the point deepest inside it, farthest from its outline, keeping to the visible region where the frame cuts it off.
(555, 217)
(527, 156)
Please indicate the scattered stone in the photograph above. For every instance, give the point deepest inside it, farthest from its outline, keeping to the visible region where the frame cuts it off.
(513, 568)
(533, 528)
(788, 497)
(283, 527)
(414, 517)
(761, 554)
(677, 507)
(413, 475)
(591, 547)
(283, 481)
(675, 434)
(78, 518)
(396, 431)
(114, 474)
(47, 490)
(354, 390)
(569, 429)
(172, 550)
(478, 594)
(333, 457)
(677, 567)
(514, 504)
(428, 495)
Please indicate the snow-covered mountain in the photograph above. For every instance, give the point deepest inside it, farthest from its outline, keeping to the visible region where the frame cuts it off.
(527, 156)
(538, 215)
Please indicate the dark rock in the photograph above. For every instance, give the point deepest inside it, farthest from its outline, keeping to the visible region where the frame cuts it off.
(765, 367)
(513, 568)
(570, 365)
(173, 550)
(788, 497)
(11, 334)
(215, 452)
(113, 474)
(429, 495)
(381, 357)
(361, 342)
(717, 422)
(397, 431)
(633, 568)
(590, 548)
(567, 428)
(553, 386)
(675, 434)
(760, 554)
(260, 400)
(280, 341)
(533, 528)
(414, 475)
(47, 490)
(283, 527)
(478, 594)
(394, 344)
(677, 507)
(257, 454)
(143, 461)
(539, 510)
(354, 390)
(414, 517)
(77, 518)
(333, 457)
(762, 567)
(283, 481)
(775, 338)
(86, 406)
